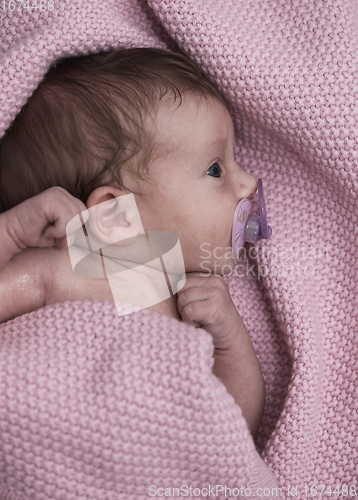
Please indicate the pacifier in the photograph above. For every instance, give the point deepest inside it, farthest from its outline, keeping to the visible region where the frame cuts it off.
(247, 226)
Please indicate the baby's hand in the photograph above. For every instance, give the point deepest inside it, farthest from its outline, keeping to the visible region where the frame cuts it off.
(41, 220)
(206, 302)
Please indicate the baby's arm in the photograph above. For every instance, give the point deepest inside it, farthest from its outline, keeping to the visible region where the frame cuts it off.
(20, 290)
(37, 222)
(206, 302)
(21, 285)
(240, 371)
(37, 277)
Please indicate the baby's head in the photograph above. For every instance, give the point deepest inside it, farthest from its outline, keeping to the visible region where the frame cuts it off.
(143, 121)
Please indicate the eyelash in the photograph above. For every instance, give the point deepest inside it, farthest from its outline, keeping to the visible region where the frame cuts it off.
(216, 163)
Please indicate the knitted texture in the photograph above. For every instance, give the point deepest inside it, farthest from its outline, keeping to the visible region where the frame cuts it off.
(99, 406)
(288, 68)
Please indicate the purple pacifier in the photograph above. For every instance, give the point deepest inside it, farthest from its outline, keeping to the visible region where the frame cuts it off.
(247, 226)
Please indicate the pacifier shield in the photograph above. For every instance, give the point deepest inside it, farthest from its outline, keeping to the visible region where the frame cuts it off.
(241, 214)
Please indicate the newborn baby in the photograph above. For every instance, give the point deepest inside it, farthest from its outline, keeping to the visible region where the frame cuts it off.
(91, 126)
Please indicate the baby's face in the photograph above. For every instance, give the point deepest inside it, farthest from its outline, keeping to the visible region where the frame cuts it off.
(195, 182)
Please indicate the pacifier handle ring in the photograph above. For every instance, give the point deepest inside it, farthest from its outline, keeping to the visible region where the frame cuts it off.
(265, 230)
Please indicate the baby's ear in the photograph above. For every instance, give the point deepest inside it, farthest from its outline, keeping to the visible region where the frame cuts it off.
(114, 221)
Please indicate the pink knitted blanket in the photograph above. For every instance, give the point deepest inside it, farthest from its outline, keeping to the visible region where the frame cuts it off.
(105, 407)
(78, 418)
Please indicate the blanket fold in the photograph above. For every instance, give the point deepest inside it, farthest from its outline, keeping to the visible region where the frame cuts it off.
(289, 71)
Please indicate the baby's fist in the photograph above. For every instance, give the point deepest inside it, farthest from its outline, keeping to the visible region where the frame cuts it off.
(41, 220)
(206, 302)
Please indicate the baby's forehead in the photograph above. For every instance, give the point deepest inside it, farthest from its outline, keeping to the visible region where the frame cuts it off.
(176, 121)
(189, 127)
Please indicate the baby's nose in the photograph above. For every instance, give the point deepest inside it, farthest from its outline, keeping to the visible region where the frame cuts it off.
(248, 185)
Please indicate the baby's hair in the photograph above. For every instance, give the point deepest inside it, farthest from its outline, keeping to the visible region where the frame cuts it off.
(88, 117)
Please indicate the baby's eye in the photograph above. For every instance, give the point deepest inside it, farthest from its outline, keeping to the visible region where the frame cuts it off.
(216, 169)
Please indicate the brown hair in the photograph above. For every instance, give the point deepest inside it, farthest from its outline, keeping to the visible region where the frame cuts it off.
(87, 118)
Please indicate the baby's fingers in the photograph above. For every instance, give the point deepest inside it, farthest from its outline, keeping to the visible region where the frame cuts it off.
(194, 313)
(61, 225)
(192, 305)
(65, 241)
(60, 210)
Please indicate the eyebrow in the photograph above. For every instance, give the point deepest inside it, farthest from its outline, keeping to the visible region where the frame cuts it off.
(222, 141)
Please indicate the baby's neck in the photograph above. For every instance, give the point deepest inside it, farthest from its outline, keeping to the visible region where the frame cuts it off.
(92, 267)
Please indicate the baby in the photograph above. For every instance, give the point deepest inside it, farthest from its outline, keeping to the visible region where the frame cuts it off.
(141, 121)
